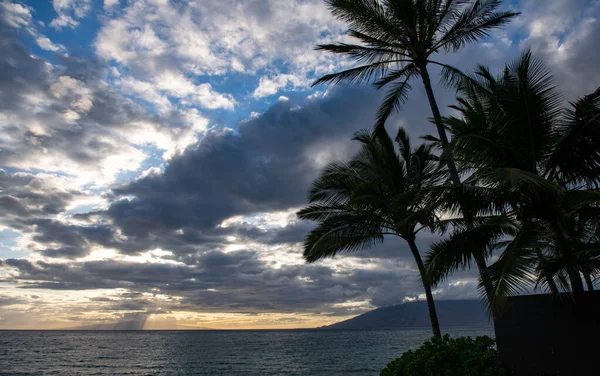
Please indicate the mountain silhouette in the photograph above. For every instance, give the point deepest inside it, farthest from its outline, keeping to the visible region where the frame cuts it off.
(415, 314)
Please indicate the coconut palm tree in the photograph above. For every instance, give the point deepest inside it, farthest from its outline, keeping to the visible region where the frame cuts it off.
(377, 193)
(522, 147)
(399, 40)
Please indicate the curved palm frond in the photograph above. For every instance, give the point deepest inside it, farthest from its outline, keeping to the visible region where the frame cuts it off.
(355, 203)
(469, 22)
(397, 95)
(515, 270)
(407, 33)
(343, 233)
(576, 155)
(456, 252)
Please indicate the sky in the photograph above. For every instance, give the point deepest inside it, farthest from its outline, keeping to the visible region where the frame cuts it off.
(153, 154)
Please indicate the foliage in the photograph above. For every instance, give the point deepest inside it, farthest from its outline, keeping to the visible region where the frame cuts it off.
(539, 169)
(447, 356)
(378, 192)
(521, 184)
(399, 38)
(382, 190)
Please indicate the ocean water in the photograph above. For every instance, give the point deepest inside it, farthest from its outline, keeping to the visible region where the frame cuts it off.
(278, 352)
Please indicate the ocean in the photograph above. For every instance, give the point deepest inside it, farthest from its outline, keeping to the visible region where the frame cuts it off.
(272, 352)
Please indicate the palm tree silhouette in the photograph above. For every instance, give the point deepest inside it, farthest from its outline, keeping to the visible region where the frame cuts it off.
(399, 40)
(540, 169)
(376, 193)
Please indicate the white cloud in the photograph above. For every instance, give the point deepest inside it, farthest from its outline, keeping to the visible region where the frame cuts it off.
(46, 44)
(19, 16)
(271, 86)
(174, 84)
(69, 12)
(110, 3)
(171, 141)
(564, 35)
(69, 87)
(215, 38)
(15, 14)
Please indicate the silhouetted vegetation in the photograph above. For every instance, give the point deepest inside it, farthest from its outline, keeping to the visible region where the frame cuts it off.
(449, 357)
(400, 39)
(533, 173)
(518, 181)
(376, 193)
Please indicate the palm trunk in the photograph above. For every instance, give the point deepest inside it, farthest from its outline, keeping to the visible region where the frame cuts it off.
(588, 281)
(435, 325)
(437, 116)
(565, 250)
(544, 268)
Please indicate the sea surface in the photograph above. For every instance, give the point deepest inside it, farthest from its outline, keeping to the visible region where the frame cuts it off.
(248, 353)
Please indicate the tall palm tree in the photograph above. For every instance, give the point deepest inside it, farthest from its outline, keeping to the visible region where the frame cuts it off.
(399, 39)
(376, 193)
(522, 146)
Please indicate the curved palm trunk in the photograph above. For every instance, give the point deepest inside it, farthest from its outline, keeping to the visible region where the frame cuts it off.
(565, 250)
(588, 281)
(544, 268)
(435, 325)
(437, 116)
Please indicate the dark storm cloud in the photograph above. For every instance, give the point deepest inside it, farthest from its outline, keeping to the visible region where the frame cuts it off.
(565, 35)
(24, 196)
(235, 282)
(266, 165)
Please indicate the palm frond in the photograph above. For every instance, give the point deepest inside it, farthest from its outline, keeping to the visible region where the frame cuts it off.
(456, 252)
(348, 233)
(357, 75)
(516, 179)
(515, 270)
(576, 155)
(396, 96)
(474, 22)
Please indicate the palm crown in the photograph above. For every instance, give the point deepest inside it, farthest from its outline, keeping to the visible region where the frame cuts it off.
(378, 192)
(536, 162)
(399, 38)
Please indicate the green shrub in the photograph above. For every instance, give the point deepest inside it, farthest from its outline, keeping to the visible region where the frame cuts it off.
(449, 357)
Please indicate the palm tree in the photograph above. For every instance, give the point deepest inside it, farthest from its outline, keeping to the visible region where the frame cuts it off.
(522, 148)
(399, 39)
(376, 193)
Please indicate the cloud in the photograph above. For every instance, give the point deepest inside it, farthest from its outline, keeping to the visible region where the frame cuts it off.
(24, 196)
(135, 190)
(69, 12)
(175, 85)
(65, 118)
(233, 282)
(110, 3)
(564, 35)
(271, 86)
(16, 15)
(208, 39)
(266, 165)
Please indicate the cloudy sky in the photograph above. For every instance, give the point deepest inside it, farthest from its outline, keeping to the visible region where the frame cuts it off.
(153, 154)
